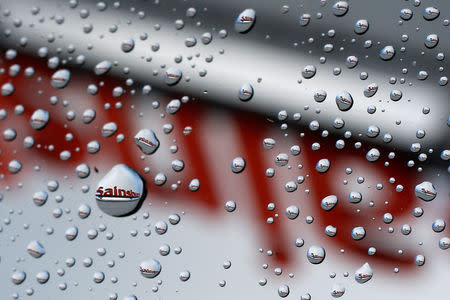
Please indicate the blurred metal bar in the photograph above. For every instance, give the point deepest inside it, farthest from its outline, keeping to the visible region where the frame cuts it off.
(267, 52)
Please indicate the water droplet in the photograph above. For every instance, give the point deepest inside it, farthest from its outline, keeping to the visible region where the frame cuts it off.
(173, 106)
(425, 191)
(184, 275)
(361, 26)
(329, 202)
(194, 185)
(246, 92)
(364, 273)
(281, 159)
(438, 225)
(320, 95)
(396, 95)
(430, 13)
(82, 170)
(88, 116)
(283, 291)
(406, 14)
(387, 53)
(150, 268)
(160, 179)
(244, 22)
(230, 206)
(120, 191)
(323, 165)
(419, 260)
(337, 290)
(206, 38)
(358, 233)
(102, 67)
(316, 254)
(109, 129)
(60, 79)
(292, 212)
(39, 119)
(161, 227)
(340, 8)
(373, 155)
(354, 197)
(40, 198)
(71, 233)
(306, 296)
(92, 147)
(308, 71)
(238, 165)
(444, 243)
(98, 277)
(42, 277)
(172, 76)
(431, 40)
(7, 89)
(344, 101)
(147, 141)
(84, 211)
(18, 277)
(35, 249)
(304, 19)
(127, 45)
(351, 61)
(268, 143)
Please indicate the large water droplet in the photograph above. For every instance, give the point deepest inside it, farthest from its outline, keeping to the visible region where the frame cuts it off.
(292, 212)
(283, 291)
(238, 165)
(39, 119)
(323, 165)
(371, 90)
(419, 260)
(71, 233)
(40, 198)
(244, 22)
(35, 249)
(329, 202)
(358, 233)
(127, 45)
(246, 92)
(373, 155)
(150, 268)
(7, 89)
(60, 79)
(340, 8)
(430, 13)
(43, 276)
(337, 290)
(102, 67)
(18, 277)
(308, 71)
(431, 40)
(364, 273)
(361, 26)
(387, 53)
(344, 101)
(315, 254)
(120, 191)
(425, 191)
(172, 76)
(147, 141)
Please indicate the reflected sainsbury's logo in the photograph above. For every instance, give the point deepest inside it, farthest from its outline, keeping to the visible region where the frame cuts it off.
(246, 19)
(142, 139)
(115, 193)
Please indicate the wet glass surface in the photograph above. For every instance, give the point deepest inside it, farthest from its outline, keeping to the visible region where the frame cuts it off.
(224, 150)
